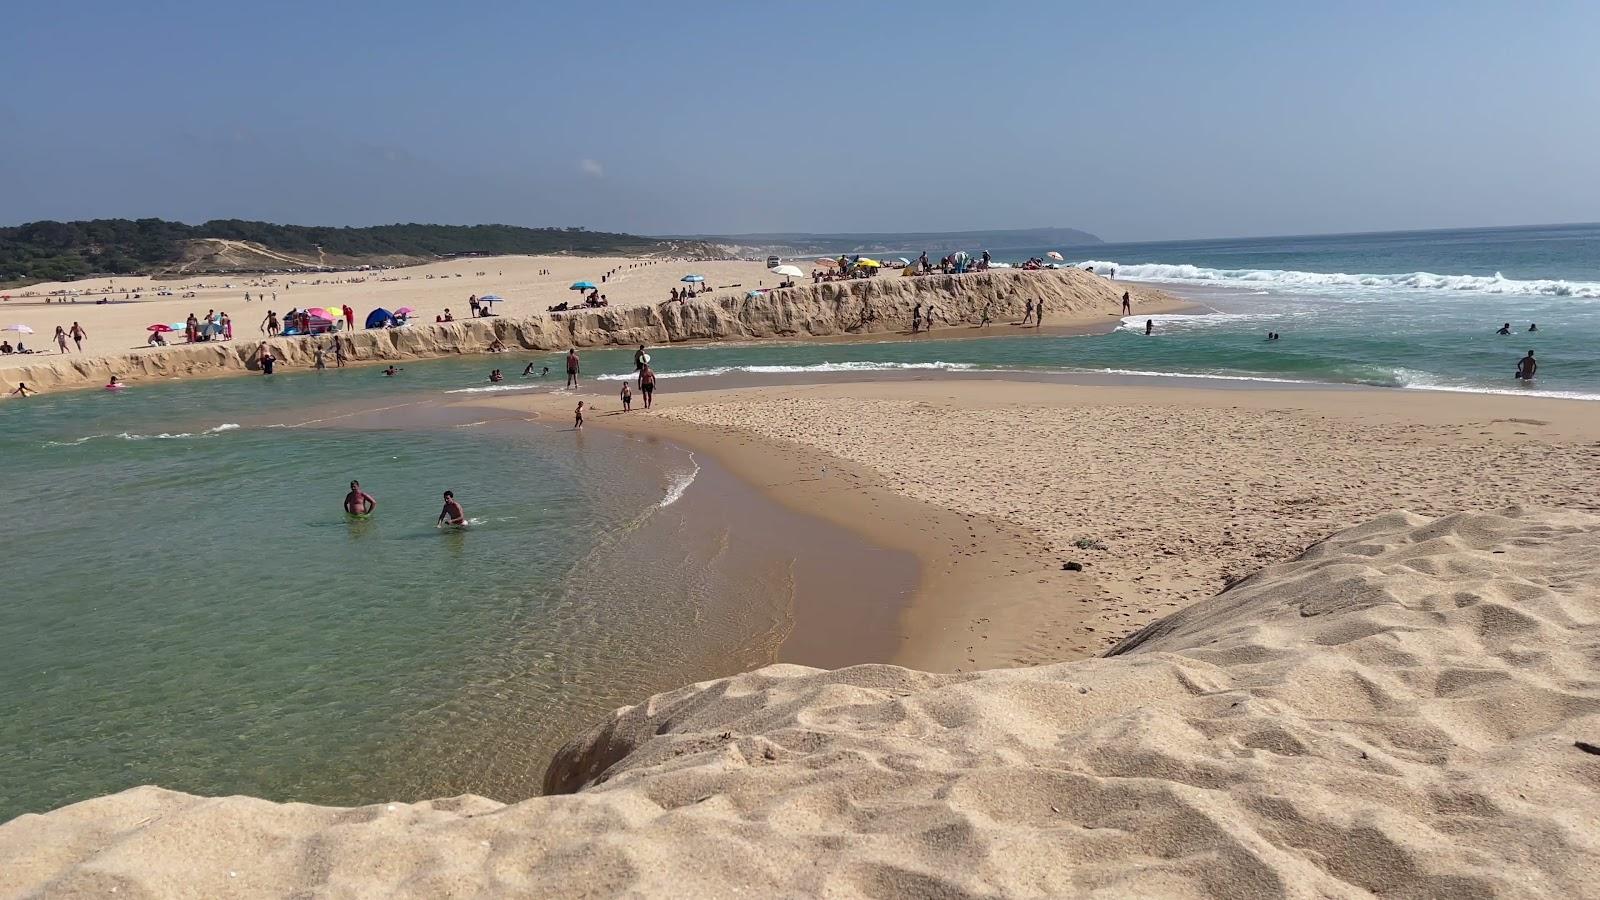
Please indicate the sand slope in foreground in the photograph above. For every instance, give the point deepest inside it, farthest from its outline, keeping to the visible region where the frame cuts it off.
(1397, 711)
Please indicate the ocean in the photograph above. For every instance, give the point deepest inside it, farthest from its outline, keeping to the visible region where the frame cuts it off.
(185, 605)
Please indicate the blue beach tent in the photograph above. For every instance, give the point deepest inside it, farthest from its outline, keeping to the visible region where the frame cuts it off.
(380, 318)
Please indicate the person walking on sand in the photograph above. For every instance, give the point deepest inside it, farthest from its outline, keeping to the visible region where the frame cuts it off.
(322, 358)
(577, 417)
(647, 384)
(1527, 367)
(359, 502)
(1127, 304)
(1038, 314)
(1027, 312)
(572, 367)
(452, 514)
(916, 318)
(269, 325)
(61, 338)
(338, 353)
(984, 319)
(78, 334)
(627, 397)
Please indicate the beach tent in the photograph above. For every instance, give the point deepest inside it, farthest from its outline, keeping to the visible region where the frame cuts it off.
(380, 318)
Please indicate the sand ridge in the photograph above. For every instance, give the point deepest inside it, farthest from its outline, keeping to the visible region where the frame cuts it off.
(1403, 710)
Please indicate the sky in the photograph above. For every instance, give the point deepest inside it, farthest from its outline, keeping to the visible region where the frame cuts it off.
(1131, 120)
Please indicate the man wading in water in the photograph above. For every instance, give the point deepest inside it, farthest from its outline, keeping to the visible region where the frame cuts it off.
(359, 502)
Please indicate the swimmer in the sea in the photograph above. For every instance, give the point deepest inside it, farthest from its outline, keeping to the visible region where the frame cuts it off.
(392, 372)
(1149, 325)
(496, 377)
(23, 390)
(359, 502)
(452, 514)
(1504, 329)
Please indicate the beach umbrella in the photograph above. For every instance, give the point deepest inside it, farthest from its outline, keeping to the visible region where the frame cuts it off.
(318, 312)
(160, 328)
(491, 298)
(1054, 255)
(19, 329)
(827, 262)
(790, 271)
(869, 263)
(692, 279)
(404, 311)
(582, 286)
(903, 261)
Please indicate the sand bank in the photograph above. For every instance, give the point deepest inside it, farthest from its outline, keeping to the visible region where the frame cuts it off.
(881, 305)
(1163, 494)
(1408, 709)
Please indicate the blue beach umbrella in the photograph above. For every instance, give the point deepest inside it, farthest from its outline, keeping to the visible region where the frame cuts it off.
(693, 279)
(490, 298)
(583, 286)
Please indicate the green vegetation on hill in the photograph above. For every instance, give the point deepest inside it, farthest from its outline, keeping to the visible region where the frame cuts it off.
(56, 251)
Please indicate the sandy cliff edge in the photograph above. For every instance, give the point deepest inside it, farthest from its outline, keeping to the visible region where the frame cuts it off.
(1410, 708)
(872, 306)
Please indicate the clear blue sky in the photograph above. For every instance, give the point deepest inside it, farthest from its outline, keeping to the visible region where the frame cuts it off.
(1137, 121)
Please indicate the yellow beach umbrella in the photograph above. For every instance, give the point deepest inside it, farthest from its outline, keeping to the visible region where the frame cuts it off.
(869, 263)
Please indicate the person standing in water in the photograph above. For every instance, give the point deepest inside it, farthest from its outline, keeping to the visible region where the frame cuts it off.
(572, 367)
(359, 502)
(266, 359)
(1127, 304)
(23, 390)
(639, 358)
(1149, 325)
(1527, 367)
(1038, 314)
(452, 514)
(1533, 326)
(916, 318)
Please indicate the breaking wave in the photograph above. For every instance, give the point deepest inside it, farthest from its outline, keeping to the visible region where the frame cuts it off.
(1421, 281)
(860, 366)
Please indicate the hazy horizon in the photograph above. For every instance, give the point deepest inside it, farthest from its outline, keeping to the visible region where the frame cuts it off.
(1137, 122)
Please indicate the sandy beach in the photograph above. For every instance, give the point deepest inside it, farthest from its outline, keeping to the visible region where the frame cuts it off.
(639, 312)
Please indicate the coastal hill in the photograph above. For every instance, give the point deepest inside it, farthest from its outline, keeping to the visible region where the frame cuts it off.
(937, 243)
(1408, 709)
(61, 251)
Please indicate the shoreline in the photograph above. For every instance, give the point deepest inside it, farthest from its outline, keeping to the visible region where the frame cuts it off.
(992, 591)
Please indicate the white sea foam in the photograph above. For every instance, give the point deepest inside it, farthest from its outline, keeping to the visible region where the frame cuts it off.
(855, 366)
(680, 484)
(490, 388)
(1289, 279)
(1193, 322)
(163, 436)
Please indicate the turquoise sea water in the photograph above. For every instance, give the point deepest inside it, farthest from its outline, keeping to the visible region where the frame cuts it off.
(184, 604)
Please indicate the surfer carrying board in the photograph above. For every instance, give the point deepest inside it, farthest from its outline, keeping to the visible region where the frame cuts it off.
(359, 502)
(452, 513)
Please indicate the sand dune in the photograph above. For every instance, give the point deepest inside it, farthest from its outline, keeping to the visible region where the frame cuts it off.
(1408, 709)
